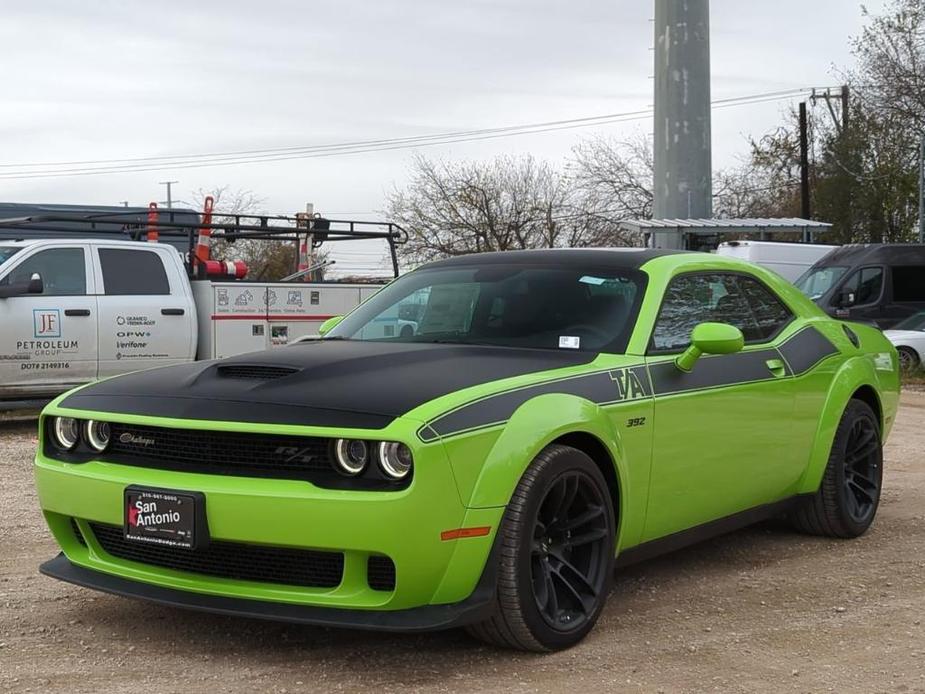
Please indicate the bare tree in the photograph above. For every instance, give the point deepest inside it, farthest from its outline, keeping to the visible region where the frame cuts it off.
(454, 208)
(890, 74)
(613, 178)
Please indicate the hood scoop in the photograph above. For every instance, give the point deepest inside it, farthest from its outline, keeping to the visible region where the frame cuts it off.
(255, 372)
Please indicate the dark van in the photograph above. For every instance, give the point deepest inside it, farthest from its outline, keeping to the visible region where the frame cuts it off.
(872, 283)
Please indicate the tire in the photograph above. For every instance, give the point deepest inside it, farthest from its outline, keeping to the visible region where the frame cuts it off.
(848, 497)
(556, 555)
(908, 359)
(406, 331)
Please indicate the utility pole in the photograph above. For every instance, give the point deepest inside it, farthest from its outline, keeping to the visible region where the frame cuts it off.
(805, 208)
(682, 146)
(922, 190)
(168, 184)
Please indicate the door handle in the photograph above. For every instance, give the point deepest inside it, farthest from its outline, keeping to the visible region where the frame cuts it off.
(776, 367)
(172, 311)
(76, 312)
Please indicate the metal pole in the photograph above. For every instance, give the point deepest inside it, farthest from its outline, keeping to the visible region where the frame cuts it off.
(682, 147)
(168, 184)
(805, 208)
(922, 191)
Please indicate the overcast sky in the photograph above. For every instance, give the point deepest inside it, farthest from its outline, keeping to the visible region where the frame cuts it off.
(109, 79)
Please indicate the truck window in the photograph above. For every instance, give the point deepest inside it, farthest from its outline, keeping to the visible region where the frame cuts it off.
(63, 271)
(909, 283)
(132, 272)
(865, 284)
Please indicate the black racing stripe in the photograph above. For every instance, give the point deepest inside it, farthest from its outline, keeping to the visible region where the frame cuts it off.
(713, 372)
(805, 349)
(603, 387)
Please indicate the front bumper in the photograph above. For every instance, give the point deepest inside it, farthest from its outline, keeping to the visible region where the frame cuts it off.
(403, 525)
(475, 608)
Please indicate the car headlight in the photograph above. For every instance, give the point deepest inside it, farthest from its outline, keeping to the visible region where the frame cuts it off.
(351, 455)
(66, 432)
(97, 434)
(395, 459)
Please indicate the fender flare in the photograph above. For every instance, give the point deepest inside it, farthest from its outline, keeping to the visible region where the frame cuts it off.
(854, 373)
(532, 427)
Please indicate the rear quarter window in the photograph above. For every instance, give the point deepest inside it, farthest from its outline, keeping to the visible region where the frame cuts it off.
(131, 272)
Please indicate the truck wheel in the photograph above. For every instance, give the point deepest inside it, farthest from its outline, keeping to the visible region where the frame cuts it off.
(556, 555)
(847, 499)
(908, 359)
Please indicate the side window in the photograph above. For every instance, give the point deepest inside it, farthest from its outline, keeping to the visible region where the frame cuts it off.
(863, 287)
(63, 271)
(909, 283)
(127, 271)
(718, 298)
(770, 314)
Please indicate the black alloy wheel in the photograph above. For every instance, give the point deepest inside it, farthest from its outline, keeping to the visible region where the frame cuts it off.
(570, 537)
(848, 496)
(555, 552)
(862, 470)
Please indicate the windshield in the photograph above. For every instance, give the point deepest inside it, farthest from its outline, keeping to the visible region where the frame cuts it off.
(816, 281)
(533, 306)
(914, 322)
(7, 252)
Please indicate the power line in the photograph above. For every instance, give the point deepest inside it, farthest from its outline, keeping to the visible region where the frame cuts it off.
(357, 147)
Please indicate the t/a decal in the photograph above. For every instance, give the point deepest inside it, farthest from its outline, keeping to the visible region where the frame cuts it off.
(629, 387)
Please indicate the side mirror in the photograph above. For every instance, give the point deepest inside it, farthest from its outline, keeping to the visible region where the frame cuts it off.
(329, 325)
(33, 286)
(710, 338)
(845, 299)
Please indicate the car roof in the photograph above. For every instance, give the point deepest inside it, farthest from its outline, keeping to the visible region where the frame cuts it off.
(617, 258)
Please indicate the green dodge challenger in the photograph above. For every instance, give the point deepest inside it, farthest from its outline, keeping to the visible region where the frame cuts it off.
(479, 445)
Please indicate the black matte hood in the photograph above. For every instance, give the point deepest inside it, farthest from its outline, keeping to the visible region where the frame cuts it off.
(321, 382)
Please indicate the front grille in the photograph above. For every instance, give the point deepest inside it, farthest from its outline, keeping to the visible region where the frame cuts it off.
(220, 452)
(244, 562)
(380, 573)
(307, 458)
(255, 371)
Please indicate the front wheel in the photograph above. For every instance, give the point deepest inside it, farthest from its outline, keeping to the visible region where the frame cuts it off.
(848, 497)
(556, 555)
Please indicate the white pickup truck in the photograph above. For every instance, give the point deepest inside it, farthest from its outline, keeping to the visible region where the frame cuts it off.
(72, 311)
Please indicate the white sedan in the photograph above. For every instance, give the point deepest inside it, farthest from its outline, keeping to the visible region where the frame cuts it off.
(908, 337)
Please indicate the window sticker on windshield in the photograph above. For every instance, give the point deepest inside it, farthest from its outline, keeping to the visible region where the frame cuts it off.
(569, 342)
(588, 279)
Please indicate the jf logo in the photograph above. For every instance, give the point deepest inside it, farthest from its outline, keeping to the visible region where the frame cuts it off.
(46, 322)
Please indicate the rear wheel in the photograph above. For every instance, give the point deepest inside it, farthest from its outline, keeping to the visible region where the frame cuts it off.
(556, 558)
(849, 495)
(908, 359)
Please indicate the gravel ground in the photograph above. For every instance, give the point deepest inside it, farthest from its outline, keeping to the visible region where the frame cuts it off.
(759, 610)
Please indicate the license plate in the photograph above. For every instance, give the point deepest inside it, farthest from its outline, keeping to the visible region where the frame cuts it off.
(165, 517)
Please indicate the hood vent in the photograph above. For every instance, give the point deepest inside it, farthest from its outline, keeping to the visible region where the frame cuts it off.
(255, 372)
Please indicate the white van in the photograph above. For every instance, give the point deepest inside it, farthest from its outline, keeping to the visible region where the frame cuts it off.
(789, 260)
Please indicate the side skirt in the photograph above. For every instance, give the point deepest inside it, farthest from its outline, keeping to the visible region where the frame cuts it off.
(699, 533)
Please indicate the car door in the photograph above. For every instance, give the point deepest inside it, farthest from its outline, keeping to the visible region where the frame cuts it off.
(146, 315)
(48, 341)
(722, 431)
